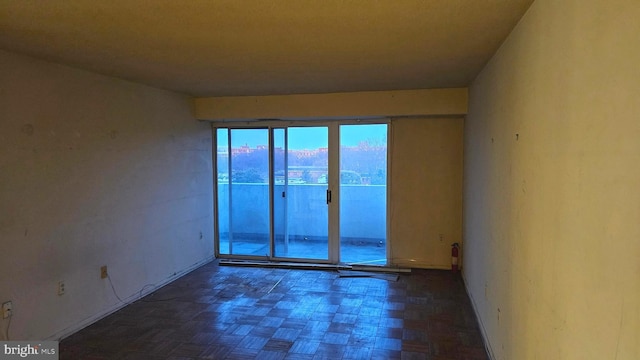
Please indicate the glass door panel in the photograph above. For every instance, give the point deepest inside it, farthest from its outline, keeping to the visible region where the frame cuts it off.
(222, 192)
(363, 194)
(243, 191)
(280, 180)
(300, 173)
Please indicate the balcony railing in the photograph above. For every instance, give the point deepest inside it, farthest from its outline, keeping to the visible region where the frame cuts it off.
(362, 210)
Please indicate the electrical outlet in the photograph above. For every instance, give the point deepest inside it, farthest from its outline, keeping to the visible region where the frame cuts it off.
(7, 309)
(103, 272)
(61, 288)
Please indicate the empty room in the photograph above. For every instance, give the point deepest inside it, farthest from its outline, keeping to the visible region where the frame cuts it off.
(413, 179)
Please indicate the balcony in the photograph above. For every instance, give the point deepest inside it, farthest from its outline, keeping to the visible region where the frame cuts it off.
(362, 221)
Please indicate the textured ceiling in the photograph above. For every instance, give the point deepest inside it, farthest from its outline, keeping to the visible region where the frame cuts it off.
(265, 47)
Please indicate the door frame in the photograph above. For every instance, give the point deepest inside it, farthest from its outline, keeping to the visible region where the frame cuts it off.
(333, 126)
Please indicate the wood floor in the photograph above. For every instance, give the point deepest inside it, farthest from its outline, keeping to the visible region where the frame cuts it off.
(232, 312)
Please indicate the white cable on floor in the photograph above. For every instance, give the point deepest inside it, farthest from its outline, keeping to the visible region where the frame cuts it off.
(276, 284)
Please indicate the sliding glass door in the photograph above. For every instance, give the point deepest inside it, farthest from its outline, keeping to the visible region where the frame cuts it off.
(303, 193)
(363, 194)
(301, 211)
(243, 191)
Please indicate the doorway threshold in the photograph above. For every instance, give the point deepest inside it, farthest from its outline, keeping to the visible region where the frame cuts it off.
(312, 266)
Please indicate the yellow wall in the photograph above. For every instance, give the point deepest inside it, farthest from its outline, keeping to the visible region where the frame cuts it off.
(335, 105)
(552, 185)
(426, 191)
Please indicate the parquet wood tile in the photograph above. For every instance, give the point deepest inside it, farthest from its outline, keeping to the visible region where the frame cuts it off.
(233, 312)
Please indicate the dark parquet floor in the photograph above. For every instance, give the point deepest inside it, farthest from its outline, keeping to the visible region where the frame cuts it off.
(232, 312)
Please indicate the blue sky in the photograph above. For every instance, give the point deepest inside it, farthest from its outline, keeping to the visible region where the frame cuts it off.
(306, 137)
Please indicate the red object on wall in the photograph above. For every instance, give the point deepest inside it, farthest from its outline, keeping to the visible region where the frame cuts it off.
(454, 257)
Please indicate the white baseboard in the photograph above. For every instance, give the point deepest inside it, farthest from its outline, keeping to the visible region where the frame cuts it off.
(483, 331)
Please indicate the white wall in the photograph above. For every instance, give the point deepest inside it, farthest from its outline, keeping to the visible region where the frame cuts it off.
(552, 185)
(94, 171)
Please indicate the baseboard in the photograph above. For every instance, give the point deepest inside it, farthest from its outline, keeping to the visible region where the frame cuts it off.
(483, 331)
(134, 297)
(421, 265)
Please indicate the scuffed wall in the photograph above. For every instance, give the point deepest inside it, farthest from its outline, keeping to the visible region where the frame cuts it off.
(94, 171)
(551, 194)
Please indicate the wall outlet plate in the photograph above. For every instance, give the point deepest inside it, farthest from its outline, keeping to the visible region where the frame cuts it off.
(61, 288)
(7, 309)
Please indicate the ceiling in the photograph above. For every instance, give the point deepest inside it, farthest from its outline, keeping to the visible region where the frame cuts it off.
(266, 47)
